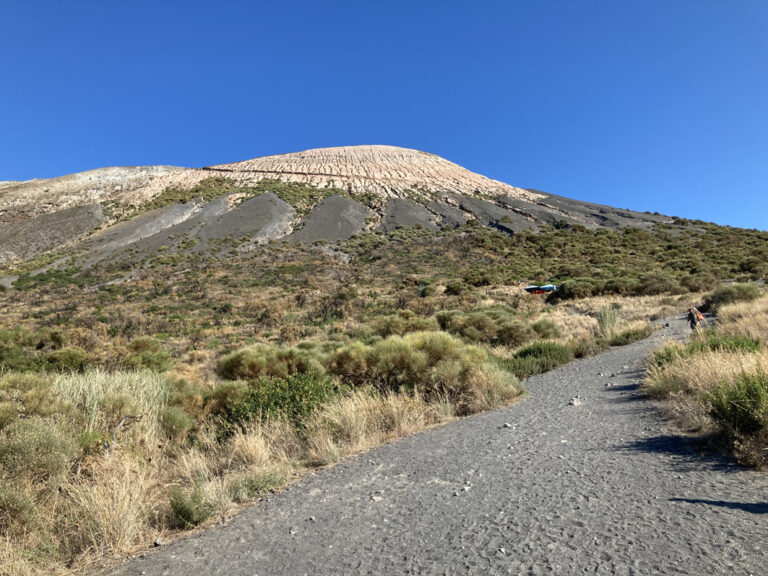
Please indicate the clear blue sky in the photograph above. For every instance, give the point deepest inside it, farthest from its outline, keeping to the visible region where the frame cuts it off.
(644, 104)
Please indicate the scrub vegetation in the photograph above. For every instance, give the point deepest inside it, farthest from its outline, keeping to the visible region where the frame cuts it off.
(144, 399)
(717, 382)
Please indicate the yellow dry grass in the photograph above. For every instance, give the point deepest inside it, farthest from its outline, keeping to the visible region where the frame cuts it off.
(636, 308)
(745, 319)
(361, 421)
(702, 372)
(112, 510)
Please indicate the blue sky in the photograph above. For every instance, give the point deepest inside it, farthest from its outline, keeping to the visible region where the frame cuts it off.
(645, 104)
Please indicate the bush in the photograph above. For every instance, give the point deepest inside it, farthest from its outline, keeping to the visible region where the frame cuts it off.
(265, 361)
(294, 397)
(255, 486)
(607, 318)
(176, 422)
(546, 328)
(402, 322)
(631, 335)
(589, 347)
(69, 359)
(575, 288)
(514, 333)
(730, 293)
(456, 288)
(148, 353)
(741, 407)
(537, 358)
(653, 283)
(190, 508)
(36, 449)
(435, 364)
(27, 395)
(17, 510)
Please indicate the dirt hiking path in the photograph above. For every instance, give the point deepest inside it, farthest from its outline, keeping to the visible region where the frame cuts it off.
(542, 487)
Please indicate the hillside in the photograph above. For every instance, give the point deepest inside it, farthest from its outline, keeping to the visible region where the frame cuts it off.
(326, 194)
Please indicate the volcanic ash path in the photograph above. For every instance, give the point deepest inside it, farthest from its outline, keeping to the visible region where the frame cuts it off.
(551, 485)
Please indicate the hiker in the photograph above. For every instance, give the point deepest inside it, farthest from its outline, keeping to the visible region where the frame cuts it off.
(695, 318)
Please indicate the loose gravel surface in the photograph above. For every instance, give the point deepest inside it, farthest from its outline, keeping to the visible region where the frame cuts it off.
(582, 476)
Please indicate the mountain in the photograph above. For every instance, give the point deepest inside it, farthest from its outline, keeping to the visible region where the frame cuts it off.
(325, 194)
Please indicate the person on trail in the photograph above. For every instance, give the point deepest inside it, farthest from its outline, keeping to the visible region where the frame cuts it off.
(695, 318)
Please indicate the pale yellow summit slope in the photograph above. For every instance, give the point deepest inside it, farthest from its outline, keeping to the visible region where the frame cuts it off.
(382, 170)
(387, 171)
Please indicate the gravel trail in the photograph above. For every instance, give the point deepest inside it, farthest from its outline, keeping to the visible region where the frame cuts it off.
(542, 487)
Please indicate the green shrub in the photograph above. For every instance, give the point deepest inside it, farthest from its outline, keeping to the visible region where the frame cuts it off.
(589, 347)
(176, 422)
(537, 358)
(16, 351)
(456, 288)
(575, 288)
(699, 282)
(36, 449)
(476, 327)
(729, 294)
(546, 328)
(69, 359)
(514, 333)
(265, 361)
(652, 283)
(741, 407)
(294, 397)
(190, 508)
(478, 277)
(631, 335)
(148, 353)
(715, 340)
(25, 394)
(254, 486)
(435, 364)
(402, 322)
(17, 509)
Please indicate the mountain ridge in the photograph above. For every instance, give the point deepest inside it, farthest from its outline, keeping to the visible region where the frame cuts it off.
(325, 194)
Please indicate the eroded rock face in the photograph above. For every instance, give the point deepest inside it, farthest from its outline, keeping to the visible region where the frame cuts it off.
(133, 185)
(382, 170)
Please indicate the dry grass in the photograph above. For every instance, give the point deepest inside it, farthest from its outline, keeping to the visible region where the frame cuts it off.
(361, 421)
(745, 319)
(635, 308)
(687, 382)
(702, 372)
(114, 509)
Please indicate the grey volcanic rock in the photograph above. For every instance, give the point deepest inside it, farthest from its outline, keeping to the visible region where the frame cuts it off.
(262, 218)
(494, 215)
(593, 215)
(334, 218)
(28, 238)
(450, 216)
(399, 212)
(540, 487)
(193, 226)
(141, 227)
